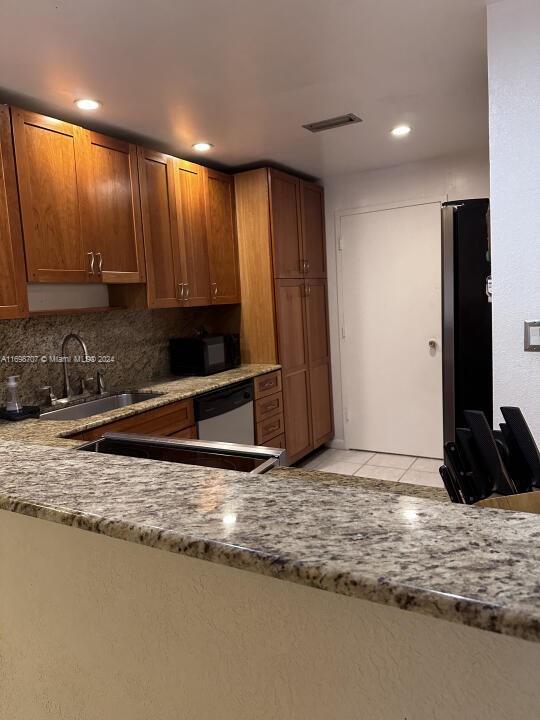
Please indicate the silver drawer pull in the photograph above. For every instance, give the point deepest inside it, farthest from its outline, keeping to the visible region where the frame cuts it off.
(100, 263)
(92, 261)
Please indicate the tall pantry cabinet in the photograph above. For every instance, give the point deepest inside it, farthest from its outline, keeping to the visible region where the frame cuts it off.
(282, 258)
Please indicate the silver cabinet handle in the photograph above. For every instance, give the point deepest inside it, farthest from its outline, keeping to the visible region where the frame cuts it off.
(100, 262)
(304, 265)
(181, 290)
(187, 291)
(92, 261)
(308, 289)
(215, 289)
(307, 266)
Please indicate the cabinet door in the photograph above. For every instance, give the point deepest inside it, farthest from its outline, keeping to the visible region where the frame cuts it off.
(13, 295)
(49, 157)
(160, 229)
(286, 230)
(313, 242)
(222, 244)
(190, 186)
(319, 361)
(111, 208)
(294, 359)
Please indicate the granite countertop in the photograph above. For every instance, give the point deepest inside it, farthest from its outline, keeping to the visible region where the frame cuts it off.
(56, 432)
(478, 567)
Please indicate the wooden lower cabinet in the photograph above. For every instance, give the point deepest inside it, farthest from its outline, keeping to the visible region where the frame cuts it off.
(320, 390)
(277, 442)
(268, 406)
(320, 379)
(267, 384)
(269, 416)
(296, 397)
(166, 421)
(270, 428)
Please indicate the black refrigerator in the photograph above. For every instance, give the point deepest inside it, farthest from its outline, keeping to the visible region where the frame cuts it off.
(466, 311)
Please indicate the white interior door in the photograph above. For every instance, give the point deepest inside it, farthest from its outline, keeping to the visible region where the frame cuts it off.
(391, 310)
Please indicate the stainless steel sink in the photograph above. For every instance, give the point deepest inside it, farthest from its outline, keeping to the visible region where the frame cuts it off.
(87, 408)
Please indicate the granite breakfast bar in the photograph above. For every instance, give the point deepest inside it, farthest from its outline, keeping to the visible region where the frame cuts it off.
(118, 628)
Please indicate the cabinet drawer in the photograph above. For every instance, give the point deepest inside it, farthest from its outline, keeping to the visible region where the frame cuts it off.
(189, 433)
(277, 442)
(268, 406)
(270, 428)
(162, 421)
(268, 384)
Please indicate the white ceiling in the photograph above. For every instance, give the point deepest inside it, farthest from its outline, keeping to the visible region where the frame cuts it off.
(246, 74)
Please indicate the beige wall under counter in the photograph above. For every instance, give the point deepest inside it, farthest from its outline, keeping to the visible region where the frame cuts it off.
(94, 627)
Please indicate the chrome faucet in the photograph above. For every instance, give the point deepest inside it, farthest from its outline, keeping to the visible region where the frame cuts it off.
(100, 382)
(68, 390)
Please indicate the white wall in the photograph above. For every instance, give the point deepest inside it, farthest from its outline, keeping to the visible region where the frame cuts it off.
(446, 178)
(514, 99)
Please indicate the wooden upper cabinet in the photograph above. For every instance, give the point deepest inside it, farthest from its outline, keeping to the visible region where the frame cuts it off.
(313, 234)
(49, 156)
(13, 295)
(160, 228)
(190, 192)
(286, 225)
(221, 235)
(111, 209)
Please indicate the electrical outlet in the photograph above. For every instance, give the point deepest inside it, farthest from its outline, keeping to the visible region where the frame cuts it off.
(532, 336)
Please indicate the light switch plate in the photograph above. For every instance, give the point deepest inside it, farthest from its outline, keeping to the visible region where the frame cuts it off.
(532, 336)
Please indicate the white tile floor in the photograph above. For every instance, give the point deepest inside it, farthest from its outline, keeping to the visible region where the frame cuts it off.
(379, 466)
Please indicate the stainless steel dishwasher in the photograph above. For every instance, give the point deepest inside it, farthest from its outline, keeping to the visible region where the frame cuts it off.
(226, 415)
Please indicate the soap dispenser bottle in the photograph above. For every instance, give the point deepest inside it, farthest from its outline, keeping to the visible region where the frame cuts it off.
(12, 395)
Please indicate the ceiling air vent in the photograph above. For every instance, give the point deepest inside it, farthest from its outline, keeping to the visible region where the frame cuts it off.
(335, 122)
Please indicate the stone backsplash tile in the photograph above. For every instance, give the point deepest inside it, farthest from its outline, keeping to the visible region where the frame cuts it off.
(136, 339)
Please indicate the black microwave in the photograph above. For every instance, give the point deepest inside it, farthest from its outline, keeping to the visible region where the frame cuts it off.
(204, 354)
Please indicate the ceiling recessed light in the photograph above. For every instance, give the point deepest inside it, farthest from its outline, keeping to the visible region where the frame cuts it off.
(401, 130)
(87, 104)
(202, 146)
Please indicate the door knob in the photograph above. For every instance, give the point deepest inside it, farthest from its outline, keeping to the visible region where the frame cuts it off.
(432, 344)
